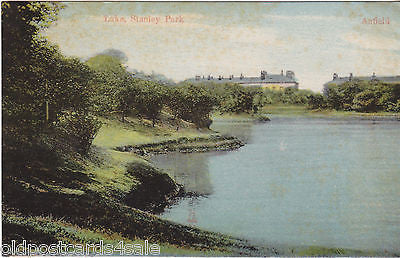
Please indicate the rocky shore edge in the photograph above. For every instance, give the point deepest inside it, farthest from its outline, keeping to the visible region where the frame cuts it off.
(186, 145)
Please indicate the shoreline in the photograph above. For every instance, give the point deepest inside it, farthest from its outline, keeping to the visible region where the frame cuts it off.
(214, 142)
(101, 192)
(92, 195)
(302, 110)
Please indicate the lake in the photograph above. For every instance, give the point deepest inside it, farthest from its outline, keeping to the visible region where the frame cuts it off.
(332, 182)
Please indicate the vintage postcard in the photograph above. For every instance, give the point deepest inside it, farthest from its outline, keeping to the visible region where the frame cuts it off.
(200, 128)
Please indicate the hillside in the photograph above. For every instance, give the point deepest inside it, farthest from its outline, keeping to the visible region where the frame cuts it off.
(91, 198)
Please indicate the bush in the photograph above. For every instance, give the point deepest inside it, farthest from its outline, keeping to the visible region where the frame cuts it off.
(78, 129)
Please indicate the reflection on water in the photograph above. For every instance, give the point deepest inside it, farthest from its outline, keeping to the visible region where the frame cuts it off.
(192, 213)
(242, 130)
(192, 173)
(297, 181)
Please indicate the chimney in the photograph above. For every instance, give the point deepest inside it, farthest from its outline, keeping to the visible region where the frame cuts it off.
(262, 75)
(290, 74)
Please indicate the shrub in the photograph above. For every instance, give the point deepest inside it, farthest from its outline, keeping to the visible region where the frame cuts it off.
(366, 101)
(77, 128)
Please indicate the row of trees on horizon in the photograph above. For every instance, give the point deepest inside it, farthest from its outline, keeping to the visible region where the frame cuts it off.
(358, 95)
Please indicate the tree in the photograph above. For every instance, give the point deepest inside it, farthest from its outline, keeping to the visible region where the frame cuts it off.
(334, 97)
(127, 96)
(366, 101)
(192, 103)
(150, 99)
(237, 99)
(24, 53)
(110, 78)
(389, 96)
(39, 84)
(260, 100)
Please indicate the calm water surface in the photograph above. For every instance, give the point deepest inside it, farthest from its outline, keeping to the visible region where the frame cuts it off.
(297, 181)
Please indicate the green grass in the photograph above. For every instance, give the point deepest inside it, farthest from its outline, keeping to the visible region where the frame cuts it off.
(283, 109)
(114, 133)
(56, 229)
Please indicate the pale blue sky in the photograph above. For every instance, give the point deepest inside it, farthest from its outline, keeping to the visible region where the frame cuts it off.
(312, 39)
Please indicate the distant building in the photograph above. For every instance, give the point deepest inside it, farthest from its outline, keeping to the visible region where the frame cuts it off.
(265, 80)
(336, 80)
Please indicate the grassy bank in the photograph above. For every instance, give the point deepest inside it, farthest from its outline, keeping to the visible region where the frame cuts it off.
(302, 110)
(51, 230)
(103, 196)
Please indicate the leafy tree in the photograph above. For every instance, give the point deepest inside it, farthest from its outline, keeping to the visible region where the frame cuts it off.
(192, 103)
(334, 97)
(389, 96)
(127, 96)
(366, 101)
(107, 63)
(24, 54)
(289, 96)
(149, 100)
(363, 96)
(237, 99)
(39, 83)
(260, 100)
(110, 78)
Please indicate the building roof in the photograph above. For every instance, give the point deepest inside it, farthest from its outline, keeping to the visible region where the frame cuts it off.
(387, 79)
(269, 78)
